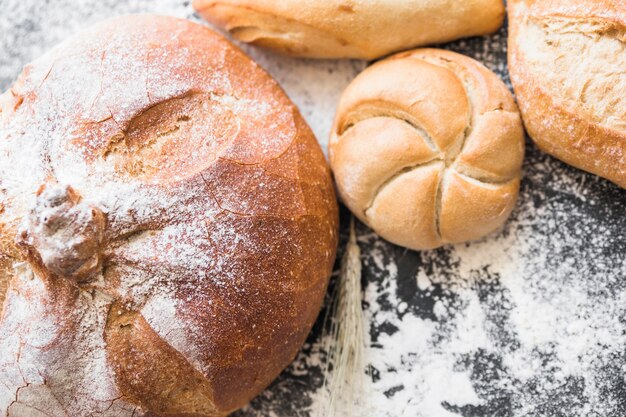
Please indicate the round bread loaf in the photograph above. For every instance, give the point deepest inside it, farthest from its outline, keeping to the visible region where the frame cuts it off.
(427, 149)
(351, 28)
(567, 60)
(174, 223)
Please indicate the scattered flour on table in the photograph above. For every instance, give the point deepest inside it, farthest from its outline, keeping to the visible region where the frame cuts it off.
(522, 323)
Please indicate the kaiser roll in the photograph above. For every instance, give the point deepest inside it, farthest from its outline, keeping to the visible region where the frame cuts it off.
(351, 28)
(427, 149)
(174, 225)
(567, 60)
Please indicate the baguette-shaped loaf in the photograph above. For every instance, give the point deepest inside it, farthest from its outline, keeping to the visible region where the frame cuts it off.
(351, 28)
(567, 60)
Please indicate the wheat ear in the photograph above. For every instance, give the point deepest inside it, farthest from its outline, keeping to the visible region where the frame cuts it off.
(345, 338)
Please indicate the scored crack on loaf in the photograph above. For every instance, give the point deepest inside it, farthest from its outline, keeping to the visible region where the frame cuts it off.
(350, 28)
(427, 148)
(567, 60)
(168, 226)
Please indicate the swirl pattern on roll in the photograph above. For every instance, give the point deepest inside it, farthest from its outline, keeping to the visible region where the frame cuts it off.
(427, 149)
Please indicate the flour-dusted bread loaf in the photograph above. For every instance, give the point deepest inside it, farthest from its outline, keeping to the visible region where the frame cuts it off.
(174, 225)
(427, 149)
(351, 28)
(567, 60)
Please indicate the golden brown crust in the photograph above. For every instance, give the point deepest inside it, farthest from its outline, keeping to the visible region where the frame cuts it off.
(610, 10)
(567, 61)
(186, 262)
(6, 260)
(172, 387)
(350, 29)
(427, 149)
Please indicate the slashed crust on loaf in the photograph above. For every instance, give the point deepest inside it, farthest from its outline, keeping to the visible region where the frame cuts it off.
(168, 226)
(568, 65)
(427, 148)
(348, 28)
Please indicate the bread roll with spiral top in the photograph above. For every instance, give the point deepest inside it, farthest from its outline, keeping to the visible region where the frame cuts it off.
(168, 226)
(427, 148)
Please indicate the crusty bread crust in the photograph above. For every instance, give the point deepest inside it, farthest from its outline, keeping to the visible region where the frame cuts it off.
(175, 221)
(567, 61)
(427, 149)
(351, 29)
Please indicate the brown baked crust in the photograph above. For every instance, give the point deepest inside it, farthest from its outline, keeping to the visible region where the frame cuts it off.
(427, 149)
(572, 111)
(172, 226)
(348, 28)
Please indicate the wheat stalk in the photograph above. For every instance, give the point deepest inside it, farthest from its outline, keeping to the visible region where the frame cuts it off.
(345, 336)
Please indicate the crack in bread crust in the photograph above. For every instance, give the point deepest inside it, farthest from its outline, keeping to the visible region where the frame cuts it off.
(373, 109)
(398, 174)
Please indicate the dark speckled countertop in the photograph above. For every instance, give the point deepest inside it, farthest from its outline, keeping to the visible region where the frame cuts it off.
(530, 321)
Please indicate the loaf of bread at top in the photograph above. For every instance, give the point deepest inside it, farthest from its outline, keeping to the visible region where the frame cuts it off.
(427, 149)
(351, 28)
(567, 60)
(168, 226)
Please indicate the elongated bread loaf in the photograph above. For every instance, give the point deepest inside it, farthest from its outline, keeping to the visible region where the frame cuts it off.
(427, 149)
(351, 28)
(567, 60)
